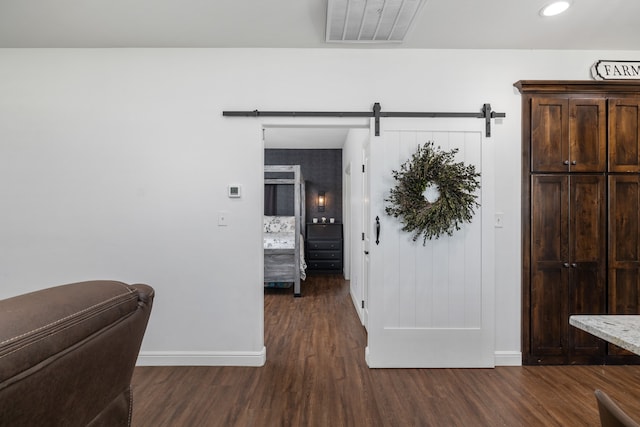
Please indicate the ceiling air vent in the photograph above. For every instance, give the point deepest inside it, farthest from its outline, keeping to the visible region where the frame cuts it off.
(370, 21)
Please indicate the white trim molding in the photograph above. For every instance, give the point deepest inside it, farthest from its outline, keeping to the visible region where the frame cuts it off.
(202, 358)
(357, 305)
(508, 358)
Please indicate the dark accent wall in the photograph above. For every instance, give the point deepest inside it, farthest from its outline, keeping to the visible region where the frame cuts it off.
(321, 170)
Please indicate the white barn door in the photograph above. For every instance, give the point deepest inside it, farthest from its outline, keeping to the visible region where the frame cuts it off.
(433, 305)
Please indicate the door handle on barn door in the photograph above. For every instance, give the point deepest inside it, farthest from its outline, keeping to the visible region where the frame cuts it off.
(377, 230)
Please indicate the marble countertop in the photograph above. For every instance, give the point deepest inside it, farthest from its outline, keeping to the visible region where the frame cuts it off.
(621, 330)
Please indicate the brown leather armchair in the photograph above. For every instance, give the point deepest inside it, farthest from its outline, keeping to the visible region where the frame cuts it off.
(67, 354)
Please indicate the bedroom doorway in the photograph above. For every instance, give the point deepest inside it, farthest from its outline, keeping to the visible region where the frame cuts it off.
(319, 139)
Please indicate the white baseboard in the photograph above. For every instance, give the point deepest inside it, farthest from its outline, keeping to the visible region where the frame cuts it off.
(202, 358)
(508, 358)
(247, 358)
(501, 358)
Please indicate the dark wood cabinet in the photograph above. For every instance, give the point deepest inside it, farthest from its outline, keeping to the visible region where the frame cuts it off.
(323, 248)
(624, 135)
(568, 265)
(624, 243)
(580, 215)
(568, 135)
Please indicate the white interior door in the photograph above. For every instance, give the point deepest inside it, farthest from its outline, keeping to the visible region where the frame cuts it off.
(432, 305)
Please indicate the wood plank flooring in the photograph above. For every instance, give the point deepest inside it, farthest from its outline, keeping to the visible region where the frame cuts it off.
(316, 375)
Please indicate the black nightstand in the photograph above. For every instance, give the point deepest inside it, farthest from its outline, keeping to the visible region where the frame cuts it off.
(323, 248)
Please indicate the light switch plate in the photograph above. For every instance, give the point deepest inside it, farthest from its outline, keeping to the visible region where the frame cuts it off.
(223, 218)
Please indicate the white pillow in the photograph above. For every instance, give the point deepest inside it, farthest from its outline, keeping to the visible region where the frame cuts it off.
(279, 224)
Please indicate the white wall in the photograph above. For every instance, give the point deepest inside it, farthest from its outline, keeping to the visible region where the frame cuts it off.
(115, 162)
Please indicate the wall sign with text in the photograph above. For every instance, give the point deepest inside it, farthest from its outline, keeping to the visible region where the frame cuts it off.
(616, 70)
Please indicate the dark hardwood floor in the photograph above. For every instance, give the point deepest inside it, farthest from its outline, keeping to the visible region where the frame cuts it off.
(316, 375)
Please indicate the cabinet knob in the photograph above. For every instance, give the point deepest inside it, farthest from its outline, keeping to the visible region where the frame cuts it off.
(574, 265)
(565, 265)
(566, 162)
(573, 162)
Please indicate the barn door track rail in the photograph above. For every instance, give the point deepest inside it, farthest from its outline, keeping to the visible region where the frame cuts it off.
(486, 113)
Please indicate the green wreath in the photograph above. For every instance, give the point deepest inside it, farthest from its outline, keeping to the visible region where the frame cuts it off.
(415, 199)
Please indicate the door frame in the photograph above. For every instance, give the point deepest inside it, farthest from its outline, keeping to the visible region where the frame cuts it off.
(311, 123)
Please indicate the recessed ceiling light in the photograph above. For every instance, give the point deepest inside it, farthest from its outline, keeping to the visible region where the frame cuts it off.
(555, 8)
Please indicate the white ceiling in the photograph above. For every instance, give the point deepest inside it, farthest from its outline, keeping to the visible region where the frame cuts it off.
(442, 24)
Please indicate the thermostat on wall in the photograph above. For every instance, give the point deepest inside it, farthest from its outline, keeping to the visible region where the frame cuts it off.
(234, 191)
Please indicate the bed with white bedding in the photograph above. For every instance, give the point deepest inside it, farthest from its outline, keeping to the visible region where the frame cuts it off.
(284, 264)
(280, 253)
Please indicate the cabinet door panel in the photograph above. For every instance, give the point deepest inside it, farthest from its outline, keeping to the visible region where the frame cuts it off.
(588, 219)
(624, 135)
(624, 243)
(549, 135)
(588, 252)
(624, 248)
(549, 268)
(587, 135)
(548, 299)
(587, 296)
(549, 224)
